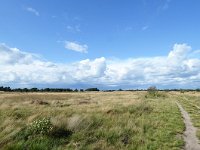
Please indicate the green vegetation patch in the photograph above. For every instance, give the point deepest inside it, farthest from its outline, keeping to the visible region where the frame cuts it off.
(191, 104)
(134, 123)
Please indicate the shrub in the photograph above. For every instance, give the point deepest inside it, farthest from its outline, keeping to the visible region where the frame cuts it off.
(38, 127)
(152, 92)
(41, 126)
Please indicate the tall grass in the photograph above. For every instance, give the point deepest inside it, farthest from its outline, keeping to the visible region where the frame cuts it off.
(191, 103)
(116, 120)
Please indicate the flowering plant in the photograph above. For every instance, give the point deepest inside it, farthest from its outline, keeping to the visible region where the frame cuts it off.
(41, 126)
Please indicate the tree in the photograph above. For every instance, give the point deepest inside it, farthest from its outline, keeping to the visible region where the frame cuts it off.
(34, 90)
(152, 90)
(76, 90)
(92, 89)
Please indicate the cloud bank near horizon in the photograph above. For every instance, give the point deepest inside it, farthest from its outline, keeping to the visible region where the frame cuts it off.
(180, 68)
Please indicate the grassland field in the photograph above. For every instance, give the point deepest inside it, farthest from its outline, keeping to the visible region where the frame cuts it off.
(122, 120)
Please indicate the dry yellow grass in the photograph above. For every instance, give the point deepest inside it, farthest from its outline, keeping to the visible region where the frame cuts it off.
(102, 120)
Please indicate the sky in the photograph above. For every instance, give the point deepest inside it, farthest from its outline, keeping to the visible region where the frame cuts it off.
(108, 44)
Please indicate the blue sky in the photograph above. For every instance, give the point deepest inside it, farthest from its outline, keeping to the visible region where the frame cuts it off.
(99, 33)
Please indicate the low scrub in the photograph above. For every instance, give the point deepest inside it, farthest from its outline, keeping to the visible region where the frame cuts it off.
(41, 134)
(41, 126)
(152, 92)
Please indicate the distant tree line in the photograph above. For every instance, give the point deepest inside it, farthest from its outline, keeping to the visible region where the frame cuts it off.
(8, 89)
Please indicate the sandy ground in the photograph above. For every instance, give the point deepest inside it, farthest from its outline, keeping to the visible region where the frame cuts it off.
(192, 142)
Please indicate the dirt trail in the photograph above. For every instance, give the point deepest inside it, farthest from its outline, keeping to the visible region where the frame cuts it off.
(192, 142)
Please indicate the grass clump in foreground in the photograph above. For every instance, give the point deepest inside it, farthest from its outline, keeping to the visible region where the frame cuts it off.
(117, 120)
(40, 134)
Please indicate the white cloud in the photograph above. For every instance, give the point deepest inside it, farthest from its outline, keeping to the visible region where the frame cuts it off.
(179, 53)
(73, 29)
(174, 70)
(87, 69)
(76, 47)
(32, 10)
(15, 56)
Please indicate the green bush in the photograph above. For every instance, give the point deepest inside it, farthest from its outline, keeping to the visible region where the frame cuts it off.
(152, 90)
(41, 126)
(40, 134)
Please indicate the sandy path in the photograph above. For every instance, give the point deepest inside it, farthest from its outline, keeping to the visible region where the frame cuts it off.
(192, 142)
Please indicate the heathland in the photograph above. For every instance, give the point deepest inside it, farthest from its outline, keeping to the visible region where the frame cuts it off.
(96, 120)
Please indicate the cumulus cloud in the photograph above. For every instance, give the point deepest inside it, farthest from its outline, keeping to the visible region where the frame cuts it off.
(180, 51)
(176, 69)
(32, 10)
(76, 47)
(15, 56)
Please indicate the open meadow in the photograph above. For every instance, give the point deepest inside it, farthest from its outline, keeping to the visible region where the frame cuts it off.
(99, 75)
(96, 120)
